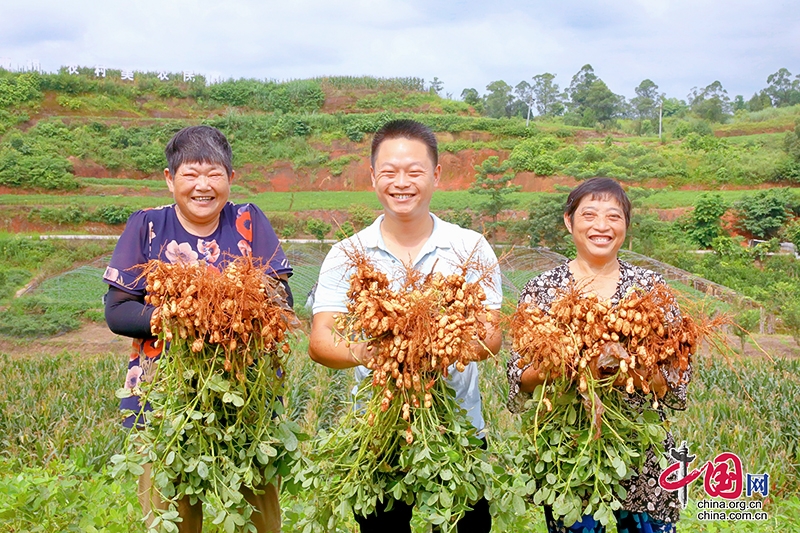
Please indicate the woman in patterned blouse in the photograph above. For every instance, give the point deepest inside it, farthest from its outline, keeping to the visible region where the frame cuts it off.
(597, 215)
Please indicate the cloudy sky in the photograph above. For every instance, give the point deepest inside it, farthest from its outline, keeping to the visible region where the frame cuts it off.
(679, 44)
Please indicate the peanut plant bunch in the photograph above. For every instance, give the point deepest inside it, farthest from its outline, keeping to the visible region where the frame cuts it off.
(590, 424)
(417, 332)
(368, 458)
(217, 421)
(579, 447)
(639, 336)
(408, 438)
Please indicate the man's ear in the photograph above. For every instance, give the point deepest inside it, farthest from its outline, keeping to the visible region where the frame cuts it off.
(437, 173)
(372, 176)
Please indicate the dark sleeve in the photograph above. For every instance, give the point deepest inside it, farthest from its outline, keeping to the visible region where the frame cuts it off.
(289, 297)
(127, 314)
(130, 251)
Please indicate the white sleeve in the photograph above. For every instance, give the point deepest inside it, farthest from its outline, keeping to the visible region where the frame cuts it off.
(334, 281)
(493, 286)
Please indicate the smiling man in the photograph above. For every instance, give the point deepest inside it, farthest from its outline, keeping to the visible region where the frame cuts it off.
(405, 171)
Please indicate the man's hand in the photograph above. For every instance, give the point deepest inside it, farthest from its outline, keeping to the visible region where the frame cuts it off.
(326, 347)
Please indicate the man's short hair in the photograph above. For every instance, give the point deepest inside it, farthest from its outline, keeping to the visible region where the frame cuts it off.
(406, 129)
(598, 189)
(199, 144)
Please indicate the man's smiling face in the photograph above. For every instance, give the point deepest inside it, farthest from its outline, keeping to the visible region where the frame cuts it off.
(404, 177)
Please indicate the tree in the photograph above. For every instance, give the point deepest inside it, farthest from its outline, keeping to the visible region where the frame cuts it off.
(522, 105)
(436, 86)
(746, 321)
(759, 101)
(590, 98)
(782, 90)
(545, 224)
(711, 103)
(704, 225)
(318, 228)
(672, 107)
(547, 95)
(645, 104)
(496, 190)
(497, 103)
(473, 98)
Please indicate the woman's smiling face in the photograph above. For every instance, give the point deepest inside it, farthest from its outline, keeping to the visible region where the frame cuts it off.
(598, 228)
(200, 191)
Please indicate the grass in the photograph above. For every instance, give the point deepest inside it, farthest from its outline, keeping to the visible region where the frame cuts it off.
(300, 201)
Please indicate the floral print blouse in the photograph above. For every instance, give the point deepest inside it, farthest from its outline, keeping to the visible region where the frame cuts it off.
(158, 234)
(644, 493)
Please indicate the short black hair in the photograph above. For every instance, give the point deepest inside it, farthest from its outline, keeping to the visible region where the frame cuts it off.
(598, 188)
(406, 129)
(199, 144)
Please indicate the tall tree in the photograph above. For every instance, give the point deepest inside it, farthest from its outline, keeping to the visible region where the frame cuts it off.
(645, 103)
(524, 100)
(782, 89)
(711, 103)
(436, 85)
(547, 95)
(759, 101)
(498, 101)
(579, 87)
(590, 99)
(674, 107)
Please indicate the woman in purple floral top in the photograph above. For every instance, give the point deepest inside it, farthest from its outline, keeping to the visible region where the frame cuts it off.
(597, 214)
(202, 225)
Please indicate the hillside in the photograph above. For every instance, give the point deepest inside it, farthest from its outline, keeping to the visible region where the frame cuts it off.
(79, 152)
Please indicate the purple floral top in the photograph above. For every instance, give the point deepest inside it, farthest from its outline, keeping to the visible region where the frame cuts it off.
(158, 234)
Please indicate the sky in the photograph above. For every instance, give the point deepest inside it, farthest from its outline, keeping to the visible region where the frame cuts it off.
(678, 44)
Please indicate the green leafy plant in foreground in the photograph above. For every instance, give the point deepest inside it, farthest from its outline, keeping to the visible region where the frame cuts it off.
(442, 470)
(210, 433)
(580, 452)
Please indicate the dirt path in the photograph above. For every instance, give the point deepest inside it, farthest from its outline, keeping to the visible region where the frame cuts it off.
(91, 339)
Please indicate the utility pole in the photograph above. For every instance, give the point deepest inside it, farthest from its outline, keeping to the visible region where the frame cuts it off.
(660, 114)
(528, 120)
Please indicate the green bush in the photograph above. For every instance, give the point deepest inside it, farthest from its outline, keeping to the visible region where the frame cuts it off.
(289, 97)
(338, 165)
(461, 217)
(764, 213)
(17, 89)
(530, 154)
(112, 214)
(318, 228)
(36, 171)
(61, 215)
(704, 225)
(344, 231)
(360, 216)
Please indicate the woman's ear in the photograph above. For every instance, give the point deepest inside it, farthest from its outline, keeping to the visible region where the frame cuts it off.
(568, 223)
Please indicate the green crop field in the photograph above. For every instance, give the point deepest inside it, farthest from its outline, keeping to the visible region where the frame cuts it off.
(60, 426)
